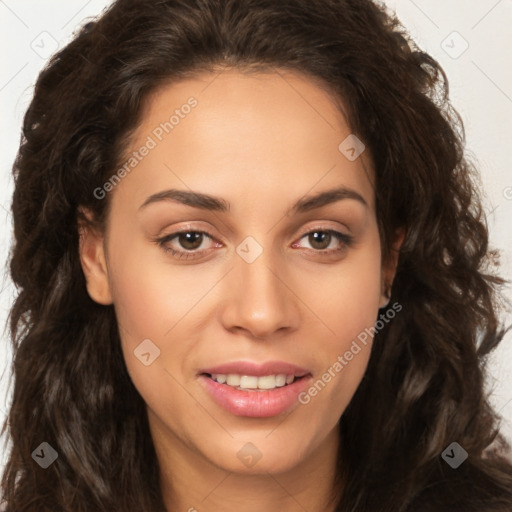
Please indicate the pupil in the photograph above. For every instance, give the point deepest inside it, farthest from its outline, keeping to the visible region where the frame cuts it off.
(190, 240)
(324, 237)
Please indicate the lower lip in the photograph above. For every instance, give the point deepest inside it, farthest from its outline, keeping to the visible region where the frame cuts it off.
(256, 404)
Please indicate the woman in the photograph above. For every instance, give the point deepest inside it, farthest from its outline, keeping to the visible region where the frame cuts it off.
(252, 271)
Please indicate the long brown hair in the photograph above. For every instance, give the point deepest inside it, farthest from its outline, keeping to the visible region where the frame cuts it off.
(424, 386)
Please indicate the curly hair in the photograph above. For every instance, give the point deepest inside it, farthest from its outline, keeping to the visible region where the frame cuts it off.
(424, 386)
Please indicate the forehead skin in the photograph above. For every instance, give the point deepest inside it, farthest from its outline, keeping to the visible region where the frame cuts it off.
(282, 128)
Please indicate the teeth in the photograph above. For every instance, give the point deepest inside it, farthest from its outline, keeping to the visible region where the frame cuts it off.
(271, 381)
(233, 380)
(247, 382)
(220, 378)
(253, 382)
(280, 380)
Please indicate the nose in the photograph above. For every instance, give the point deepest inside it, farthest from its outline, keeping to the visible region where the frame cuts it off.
(258, 299)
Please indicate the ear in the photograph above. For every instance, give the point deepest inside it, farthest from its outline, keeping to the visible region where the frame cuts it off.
(93, 260)
(389, 270)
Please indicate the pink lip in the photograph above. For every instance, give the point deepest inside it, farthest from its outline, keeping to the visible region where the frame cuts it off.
(256, 369)
(255, 404)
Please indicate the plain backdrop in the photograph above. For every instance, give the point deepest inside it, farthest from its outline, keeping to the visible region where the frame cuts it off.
(470, 38)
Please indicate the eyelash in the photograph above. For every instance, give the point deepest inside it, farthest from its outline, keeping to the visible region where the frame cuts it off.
(346, 240)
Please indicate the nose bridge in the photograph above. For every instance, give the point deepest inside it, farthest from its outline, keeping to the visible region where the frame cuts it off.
(258, 299)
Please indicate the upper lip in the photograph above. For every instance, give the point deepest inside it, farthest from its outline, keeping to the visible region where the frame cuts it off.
(256, 369)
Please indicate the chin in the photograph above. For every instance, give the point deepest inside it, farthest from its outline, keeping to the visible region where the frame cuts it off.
(259, 454)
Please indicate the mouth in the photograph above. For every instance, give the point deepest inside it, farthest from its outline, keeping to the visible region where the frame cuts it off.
(254, 382)
(255, 390)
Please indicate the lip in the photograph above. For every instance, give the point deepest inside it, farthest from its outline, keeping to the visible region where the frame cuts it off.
(257, 369)
(255, 404)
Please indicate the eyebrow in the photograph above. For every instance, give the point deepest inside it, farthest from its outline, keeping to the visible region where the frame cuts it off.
(212, 203)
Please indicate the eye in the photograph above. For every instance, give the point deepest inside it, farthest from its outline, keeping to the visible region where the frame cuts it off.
(188, 243)
(326, 241)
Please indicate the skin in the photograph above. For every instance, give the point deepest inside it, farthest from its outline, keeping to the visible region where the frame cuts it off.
(261, 142)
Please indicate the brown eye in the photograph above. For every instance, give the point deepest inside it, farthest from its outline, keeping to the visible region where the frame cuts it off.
(185, 244)
(190, 240)
(320, 239)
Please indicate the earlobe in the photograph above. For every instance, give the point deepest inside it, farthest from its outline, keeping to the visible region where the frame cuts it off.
(385, 295)
(94, 265)
(388, 275)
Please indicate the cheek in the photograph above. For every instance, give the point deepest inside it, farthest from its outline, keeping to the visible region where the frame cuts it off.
(143, 305)
(347, 299)
(349, 308)
(148, 294)
(148, 309)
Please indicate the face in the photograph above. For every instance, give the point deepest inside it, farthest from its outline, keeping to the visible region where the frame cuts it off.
(263, 288)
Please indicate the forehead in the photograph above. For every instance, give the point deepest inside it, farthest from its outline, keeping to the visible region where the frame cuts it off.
(277, 102)
(261, 130)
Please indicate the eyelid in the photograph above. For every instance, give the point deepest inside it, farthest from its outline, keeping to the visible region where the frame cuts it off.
(320, 227)
(345, 239)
